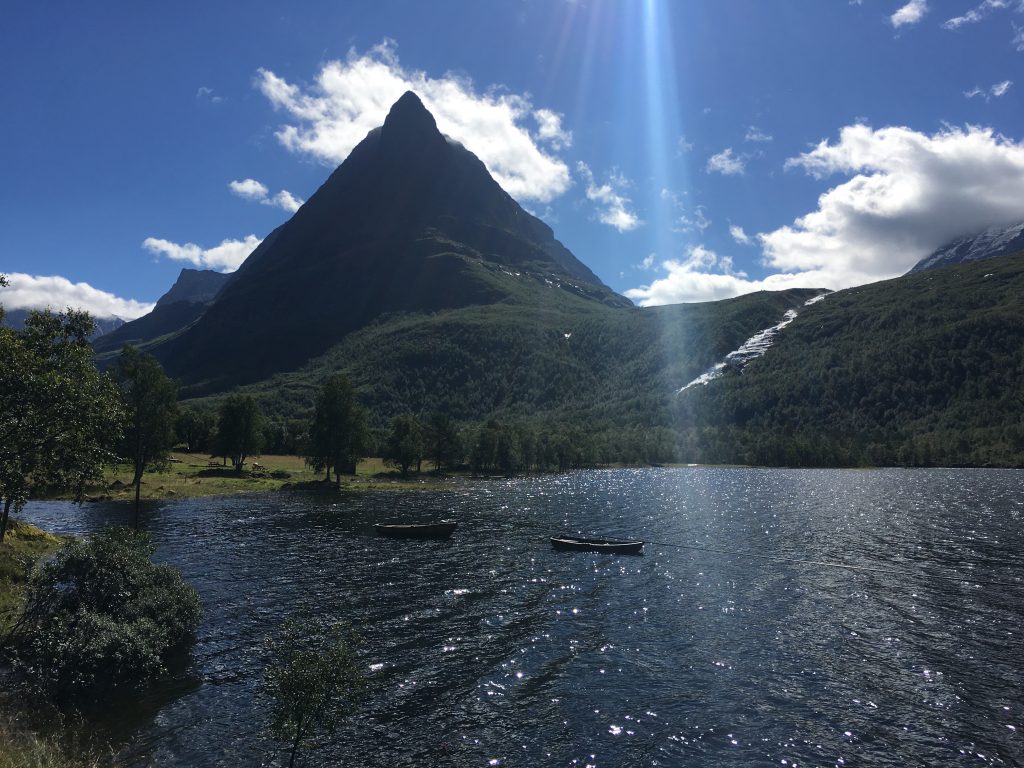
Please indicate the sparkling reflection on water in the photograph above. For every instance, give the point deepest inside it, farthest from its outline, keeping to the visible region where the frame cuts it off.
(492, 649)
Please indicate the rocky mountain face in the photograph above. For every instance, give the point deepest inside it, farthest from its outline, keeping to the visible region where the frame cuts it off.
(195, 285)
(994, 241)
(411, 221)
(182, 305)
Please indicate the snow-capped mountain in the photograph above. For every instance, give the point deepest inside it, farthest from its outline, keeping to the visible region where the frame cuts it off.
(994, 241)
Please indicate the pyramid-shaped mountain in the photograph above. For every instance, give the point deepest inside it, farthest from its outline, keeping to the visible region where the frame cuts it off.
(411, 221)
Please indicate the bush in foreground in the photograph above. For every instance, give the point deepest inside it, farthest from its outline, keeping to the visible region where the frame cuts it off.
(100, 616)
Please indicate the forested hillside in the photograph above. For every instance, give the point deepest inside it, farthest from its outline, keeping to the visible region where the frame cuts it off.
(926, 369)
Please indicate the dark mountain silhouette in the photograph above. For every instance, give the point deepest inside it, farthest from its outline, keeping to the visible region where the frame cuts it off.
(182, 305)
(410, 222)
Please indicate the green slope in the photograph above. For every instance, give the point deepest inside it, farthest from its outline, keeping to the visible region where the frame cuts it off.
(926, 369)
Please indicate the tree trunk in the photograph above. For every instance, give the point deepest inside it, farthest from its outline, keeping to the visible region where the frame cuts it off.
(138, 492)
(3, 520)
(295, 744)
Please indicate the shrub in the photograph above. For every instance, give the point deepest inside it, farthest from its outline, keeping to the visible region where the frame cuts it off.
(100, 616)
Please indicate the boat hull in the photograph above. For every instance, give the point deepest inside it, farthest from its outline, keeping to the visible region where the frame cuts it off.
(441, 530)
(609, 546)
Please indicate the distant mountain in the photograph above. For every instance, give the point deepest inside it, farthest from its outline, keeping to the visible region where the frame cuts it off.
(994, 241)
(104, 325)
(926, 369)
(181, 306)
(412, 222)
(195, 285)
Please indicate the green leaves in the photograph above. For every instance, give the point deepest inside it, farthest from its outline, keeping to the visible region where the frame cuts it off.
(312, 679)
(99, 616)
(58, 416)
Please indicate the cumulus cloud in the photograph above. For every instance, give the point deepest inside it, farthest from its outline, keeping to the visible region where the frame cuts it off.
(739, 235)
(755, 134)
(909, 193)
(726, 163)
(351, 97)
(906, 194)
(683, 146)
(911, 13)
(58, 293)
(974, 15)
(549, 129)
(703, 275)
(250, 189)
(613, 207)
(226, 257)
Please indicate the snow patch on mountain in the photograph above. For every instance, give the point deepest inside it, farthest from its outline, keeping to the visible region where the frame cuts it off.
(994, 241)
(751, 349)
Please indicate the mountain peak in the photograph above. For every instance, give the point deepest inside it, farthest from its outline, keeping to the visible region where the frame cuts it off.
(409, 119)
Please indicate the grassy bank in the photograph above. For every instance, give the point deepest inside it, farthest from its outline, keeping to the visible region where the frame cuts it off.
(20, 747)
(23, 545)
(192, 475)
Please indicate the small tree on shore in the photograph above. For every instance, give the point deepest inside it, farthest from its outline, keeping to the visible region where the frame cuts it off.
(151, 402)
(239, 429)
(404, 444)
(441, 438)
(58, 416)
(338, 436)
(313, 681)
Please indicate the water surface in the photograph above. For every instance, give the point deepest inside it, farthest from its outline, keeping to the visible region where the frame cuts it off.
(492, 649)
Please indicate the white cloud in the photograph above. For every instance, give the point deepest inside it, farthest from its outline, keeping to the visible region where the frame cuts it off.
(613, 207)
(250, 189)
(703, 275)
(999, 89)
(911, 13)
(647, 264)
(1018, 38)
(226, 257)
(755, 134)
(726, 163)
(208, 94)
(909, 193)
(58, 293)
(974, 15)
(739, 235)
(683, 146)
(687, 221)
(549, 129)
(349, 98)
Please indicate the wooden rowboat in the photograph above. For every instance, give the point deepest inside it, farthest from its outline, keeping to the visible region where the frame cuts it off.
(441, 530)
(612, 546)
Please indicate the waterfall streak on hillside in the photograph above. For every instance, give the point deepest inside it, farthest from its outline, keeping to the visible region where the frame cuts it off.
(751, 349)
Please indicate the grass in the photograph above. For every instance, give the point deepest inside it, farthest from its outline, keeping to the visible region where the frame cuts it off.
(192, 475)
(21, 748)
(22, 547)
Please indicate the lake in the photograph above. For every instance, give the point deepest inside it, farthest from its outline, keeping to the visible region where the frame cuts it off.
(492, 649)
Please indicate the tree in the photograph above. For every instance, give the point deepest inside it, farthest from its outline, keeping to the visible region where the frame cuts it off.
(442, 439)
(151, 404)
(338, 436)
(194, 427)
(58, 416)
(313, 681)
(239, 429)
(101, 616)
(404, 444)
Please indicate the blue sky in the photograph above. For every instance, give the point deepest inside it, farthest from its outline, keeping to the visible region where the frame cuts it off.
(685, 151)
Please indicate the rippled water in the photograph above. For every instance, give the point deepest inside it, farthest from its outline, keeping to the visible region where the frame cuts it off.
(492, 649)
